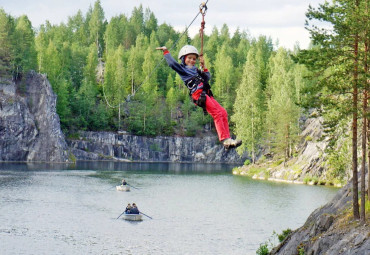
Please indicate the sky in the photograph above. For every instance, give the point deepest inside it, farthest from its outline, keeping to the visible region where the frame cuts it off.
(282, 20)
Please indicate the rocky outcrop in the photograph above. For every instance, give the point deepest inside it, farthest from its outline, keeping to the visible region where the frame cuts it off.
(329, 230)
(310, 160)
(108, 145)
(29, 125)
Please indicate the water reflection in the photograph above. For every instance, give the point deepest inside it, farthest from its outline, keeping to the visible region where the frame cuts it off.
(143, 167)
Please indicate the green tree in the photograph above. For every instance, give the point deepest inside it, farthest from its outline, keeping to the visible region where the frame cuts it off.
(96, 27)
(5, 43)
(24, 43)
(137, 20)
(135, 61)
(78, 29)
(249, 107)
(282, 111)
(150, 22)
(113, 35)
(336, 60)
(89, 89)
(223, 86)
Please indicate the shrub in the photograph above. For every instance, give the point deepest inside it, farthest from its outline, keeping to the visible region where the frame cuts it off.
(247, 162)
(308, 138)
(284, 234)
(307, 179)
(263, 249)
(315, 180)
(278, 162)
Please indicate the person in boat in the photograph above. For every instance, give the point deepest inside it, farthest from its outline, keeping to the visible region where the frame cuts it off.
(134, 209)
(196, 81)
(124, 182)
(128, 208)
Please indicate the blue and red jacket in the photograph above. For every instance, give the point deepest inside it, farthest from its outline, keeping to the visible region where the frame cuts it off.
(193, 78)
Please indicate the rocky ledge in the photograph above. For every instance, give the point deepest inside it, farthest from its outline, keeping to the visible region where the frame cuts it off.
(125, 147)
(330, 230)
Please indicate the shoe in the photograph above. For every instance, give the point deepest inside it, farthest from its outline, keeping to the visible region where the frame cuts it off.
(231, 143)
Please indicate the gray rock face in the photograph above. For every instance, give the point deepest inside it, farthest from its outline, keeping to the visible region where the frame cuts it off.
(327, 231)
(107, 145)
(29, 125)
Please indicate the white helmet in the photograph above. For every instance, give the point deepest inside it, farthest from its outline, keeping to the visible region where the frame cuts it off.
(188, 49)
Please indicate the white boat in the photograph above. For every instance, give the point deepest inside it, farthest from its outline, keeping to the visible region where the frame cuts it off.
(123, 188)
(134, 217)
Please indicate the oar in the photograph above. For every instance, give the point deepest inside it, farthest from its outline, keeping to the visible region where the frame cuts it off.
(121, 214)
(146, 215)
(131, 186)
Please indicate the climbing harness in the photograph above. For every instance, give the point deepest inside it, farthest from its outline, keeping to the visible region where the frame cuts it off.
(199, 81)
(203, 9)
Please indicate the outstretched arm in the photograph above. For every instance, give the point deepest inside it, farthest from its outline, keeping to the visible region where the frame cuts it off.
(171, 61)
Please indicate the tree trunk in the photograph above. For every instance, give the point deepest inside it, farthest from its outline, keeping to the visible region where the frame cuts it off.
(363, 163)
(367, 81)
(119, 117)
(287, 143)
(356, 213)
(132, 82)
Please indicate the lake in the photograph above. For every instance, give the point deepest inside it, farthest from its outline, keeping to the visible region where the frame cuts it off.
(196, 208)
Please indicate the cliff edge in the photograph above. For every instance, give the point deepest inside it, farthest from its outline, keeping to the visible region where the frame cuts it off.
(29, 125)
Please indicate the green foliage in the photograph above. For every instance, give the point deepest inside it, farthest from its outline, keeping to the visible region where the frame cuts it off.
(25, 55)
(263, 249)
(90, 61)
(284, 234)
(340, 61)
(249, 107)
(6, 30)
(308, 138)
(339, 154)
(282, 113)
(247, 162)
(367, 206)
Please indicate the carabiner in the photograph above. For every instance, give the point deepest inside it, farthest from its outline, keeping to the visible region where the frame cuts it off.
(203, 8)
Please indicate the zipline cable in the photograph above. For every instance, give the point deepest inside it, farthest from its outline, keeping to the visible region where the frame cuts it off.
(203, 9)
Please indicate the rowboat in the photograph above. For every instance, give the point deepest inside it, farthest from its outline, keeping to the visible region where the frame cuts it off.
(123, 188)
(134, 217)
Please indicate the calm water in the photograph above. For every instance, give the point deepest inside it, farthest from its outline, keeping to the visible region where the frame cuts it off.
(196, 209)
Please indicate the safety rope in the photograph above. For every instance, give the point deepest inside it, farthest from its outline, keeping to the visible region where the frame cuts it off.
(203, 9)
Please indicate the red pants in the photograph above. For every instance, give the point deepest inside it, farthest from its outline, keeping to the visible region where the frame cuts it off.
(218, 114)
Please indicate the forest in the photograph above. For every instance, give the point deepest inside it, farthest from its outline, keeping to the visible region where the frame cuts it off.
(108, 77)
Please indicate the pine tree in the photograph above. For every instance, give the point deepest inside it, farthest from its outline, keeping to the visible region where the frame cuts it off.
(337, 61)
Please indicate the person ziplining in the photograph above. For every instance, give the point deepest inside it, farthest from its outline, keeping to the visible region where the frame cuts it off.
(197, 81)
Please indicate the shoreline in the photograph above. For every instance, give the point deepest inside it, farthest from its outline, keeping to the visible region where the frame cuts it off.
(311, 183)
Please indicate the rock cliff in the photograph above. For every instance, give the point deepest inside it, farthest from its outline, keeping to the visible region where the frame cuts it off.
(29, 125)
(108, 145)
(329, 230)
